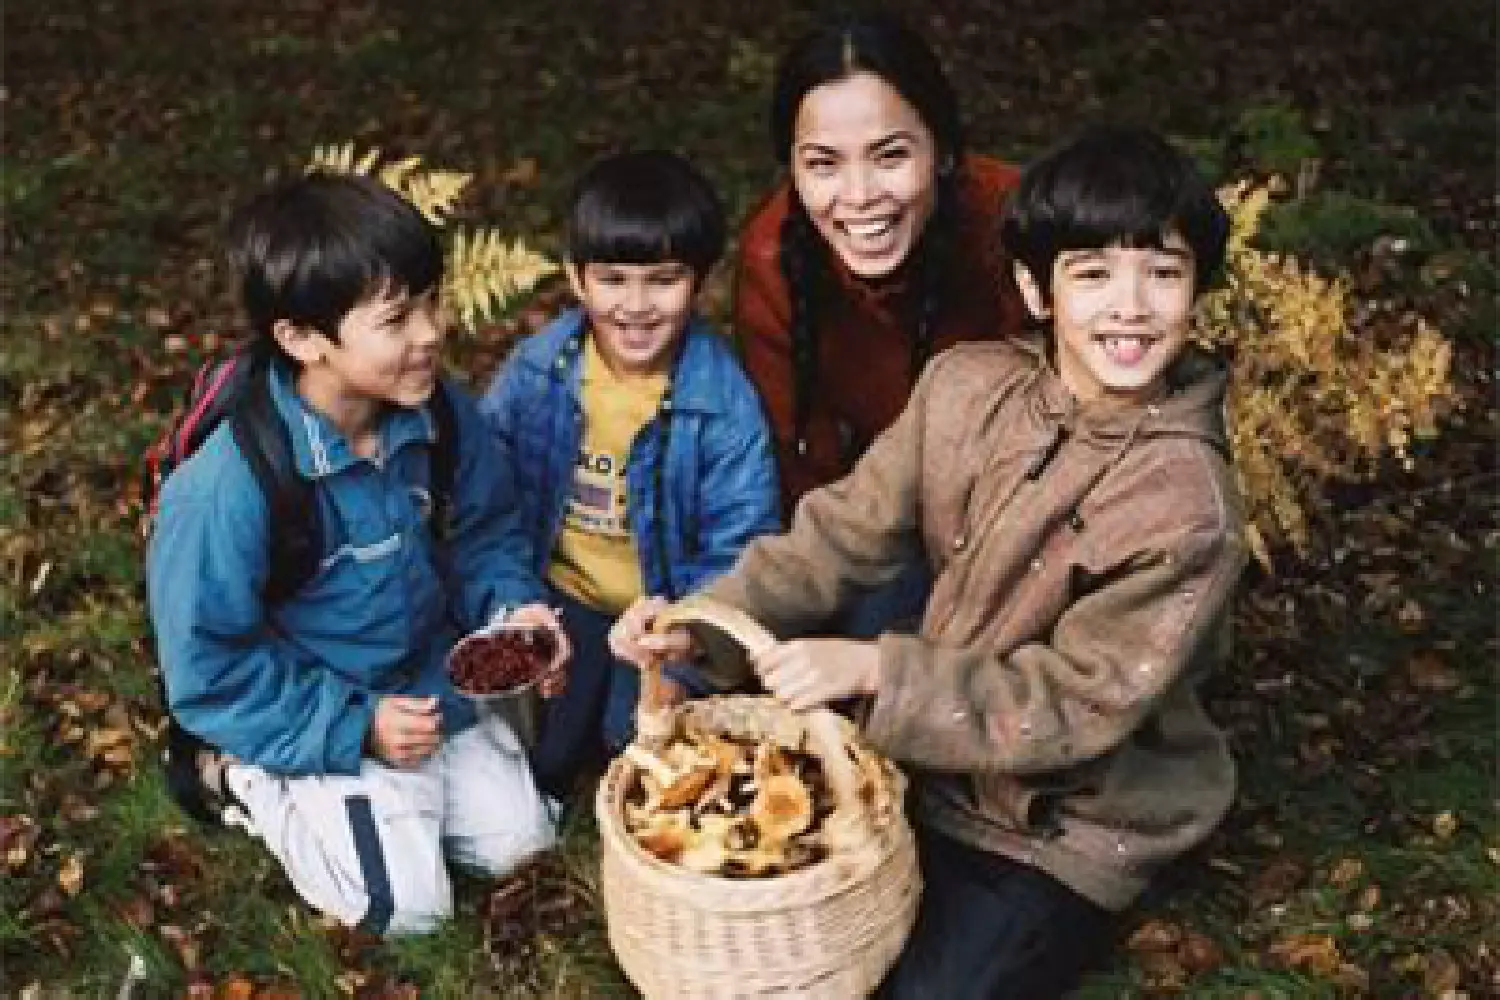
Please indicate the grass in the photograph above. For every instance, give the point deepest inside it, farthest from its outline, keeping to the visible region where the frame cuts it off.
(121, 169)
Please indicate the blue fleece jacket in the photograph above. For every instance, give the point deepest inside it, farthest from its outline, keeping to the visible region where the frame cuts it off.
(292, 687)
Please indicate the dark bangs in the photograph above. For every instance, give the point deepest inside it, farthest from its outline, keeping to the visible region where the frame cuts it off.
(646, 207)
(1113, 185)
(311, 250)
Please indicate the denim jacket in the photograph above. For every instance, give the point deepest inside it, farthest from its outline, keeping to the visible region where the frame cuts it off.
(691, 510)
(292, 687)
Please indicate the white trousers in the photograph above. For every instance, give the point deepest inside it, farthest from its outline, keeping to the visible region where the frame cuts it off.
(371, 848)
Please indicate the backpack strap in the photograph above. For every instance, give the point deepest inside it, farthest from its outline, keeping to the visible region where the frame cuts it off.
(291, 507)
(214, 389)
(443, 460)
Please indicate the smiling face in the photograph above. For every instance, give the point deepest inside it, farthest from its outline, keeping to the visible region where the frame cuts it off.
(388, 348)
(865, 167)
(637, 312)
(1120, 316)
(386, 353)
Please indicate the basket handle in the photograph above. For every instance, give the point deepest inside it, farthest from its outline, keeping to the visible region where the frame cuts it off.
(848, 826)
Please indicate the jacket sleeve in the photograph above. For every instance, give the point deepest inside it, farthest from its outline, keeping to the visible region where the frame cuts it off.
(738, 487)
(1049, 705)
(490, 552)
(230, 678)
(855, 534)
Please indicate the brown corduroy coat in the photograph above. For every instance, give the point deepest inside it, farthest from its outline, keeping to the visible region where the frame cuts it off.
(1084, 558)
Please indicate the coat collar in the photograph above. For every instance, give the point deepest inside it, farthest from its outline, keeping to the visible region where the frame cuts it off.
(1190, 405)
(319, 448)
(695, 379)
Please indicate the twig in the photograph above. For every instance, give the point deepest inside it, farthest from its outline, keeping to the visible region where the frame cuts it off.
(134, 976)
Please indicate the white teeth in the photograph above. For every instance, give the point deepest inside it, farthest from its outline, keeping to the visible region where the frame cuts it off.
(868, 230)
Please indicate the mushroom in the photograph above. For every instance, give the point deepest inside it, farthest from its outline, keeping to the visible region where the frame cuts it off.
(782, 807)
(709, 846)
(704, 855)
(769, 761)
(678, 788)
(666, 836)
(726, 758)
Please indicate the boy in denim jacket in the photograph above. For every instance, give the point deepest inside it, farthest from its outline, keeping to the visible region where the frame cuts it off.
(340, 735)
(641, 448)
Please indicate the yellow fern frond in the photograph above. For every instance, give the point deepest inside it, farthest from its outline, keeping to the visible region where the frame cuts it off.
(1311, 399)
(484, 275)
(434, 193)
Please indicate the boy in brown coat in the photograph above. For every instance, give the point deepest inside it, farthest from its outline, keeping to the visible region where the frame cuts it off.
(1074, 499)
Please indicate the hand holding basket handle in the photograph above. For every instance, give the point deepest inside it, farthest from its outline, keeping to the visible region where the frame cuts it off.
(847, 827)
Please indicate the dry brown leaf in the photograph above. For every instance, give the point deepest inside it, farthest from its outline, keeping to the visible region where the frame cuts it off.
(1199, 952)
(1277, 881)
(1155, 935)
(236, 987)
(70, 875)
(1316, 953)
(1345, 872)
(1429, 671)
(1440, 973)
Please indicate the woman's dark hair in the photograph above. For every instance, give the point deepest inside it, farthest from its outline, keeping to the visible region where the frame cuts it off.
(1113, 184)
(885, 47)
(646, 207)
(312, 248)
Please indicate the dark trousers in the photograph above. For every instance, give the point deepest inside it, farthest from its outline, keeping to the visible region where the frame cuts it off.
(595, 715)
(990, 928)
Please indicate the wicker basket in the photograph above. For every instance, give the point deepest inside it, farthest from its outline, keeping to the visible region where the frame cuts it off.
(831, 930)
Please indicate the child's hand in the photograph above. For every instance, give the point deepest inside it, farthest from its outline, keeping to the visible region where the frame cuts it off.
(405, 731)
(809, 673)
(555, 680)
(632, 640)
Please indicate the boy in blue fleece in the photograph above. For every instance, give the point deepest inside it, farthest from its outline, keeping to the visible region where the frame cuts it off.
(340, 733)
(640, 447)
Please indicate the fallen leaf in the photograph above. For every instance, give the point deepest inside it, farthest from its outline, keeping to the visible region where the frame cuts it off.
(1441, 973)
(1317, 953)
(1346, 871)
(235, 988)
(1199, 952)
(1277, 881)
(70, 875)
(1429, 671)
(1155, 936)
(1410, 616)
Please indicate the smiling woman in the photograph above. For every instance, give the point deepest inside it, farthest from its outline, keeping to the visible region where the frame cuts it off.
(878, 251)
